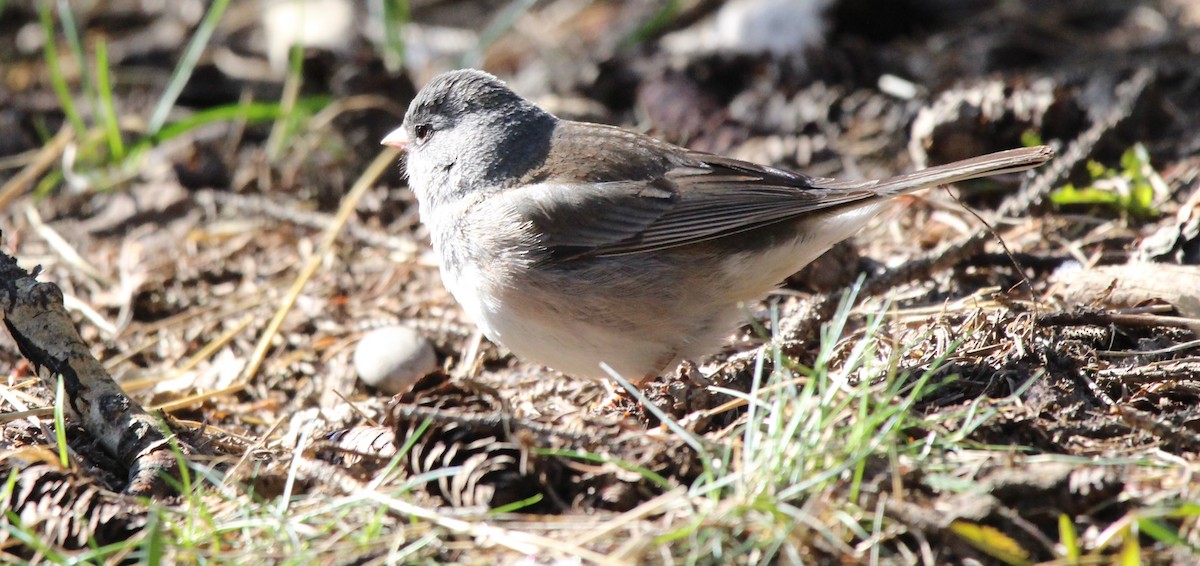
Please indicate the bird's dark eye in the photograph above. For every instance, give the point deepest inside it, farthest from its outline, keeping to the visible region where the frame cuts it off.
(422, 131)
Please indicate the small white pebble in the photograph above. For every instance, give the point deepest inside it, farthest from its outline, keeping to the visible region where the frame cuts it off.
(903, 89)
(393, 357)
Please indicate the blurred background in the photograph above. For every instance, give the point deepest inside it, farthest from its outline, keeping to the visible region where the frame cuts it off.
(214, 92)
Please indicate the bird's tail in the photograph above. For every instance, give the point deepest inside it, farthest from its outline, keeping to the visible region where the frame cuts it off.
(1008, 161)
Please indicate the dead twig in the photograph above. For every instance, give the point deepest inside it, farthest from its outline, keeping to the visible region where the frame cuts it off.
(1155, 372)
(1095, 317)
(42, 161)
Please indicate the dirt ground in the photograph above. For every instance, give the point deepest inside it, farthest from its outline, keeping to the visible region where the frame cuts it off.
(1073, 319)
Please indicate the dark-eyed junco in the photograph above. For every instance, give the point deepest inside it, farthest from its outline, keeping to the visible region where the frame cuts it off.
(576, 244)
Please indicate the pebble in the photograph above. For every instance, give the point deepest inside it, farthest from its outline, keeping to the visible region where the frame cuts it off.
(391, 358)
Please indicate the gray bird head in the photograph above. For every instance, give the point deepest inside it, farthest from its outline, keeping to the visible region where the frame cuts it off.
(467, 132)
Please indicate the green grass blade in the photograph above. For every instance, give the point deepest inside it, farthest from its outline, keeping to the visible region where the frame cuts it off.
(689, 438)
(653, 25)
(59, 83)
(155, 540)
(517, 505)
(401, 454)
(1160, 532)
(646, 473)
(991, 541)
(60, 423)
(250, 112)
(187, 63)
(1069, 538)
(108, 110)
(9, 486)
(287, 122)
(30, 539)
(395, 17)
(1131, 549)
(501, 22)
(66, 17)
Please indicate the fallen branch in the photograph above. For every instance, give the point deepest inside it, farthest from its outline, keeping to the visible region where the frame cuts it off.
(1134, 284)
(34, 315)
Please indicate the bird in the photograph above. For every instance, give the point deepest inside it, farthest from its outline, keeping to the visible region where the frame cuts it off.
(593, 249)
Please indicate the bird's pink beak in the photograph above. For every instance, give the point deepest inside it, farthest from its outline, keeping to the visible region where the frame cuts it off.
(397, 139)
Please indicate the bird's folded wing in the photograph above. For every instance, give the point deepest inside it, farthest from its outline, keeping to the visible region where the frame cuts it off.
(709, 198)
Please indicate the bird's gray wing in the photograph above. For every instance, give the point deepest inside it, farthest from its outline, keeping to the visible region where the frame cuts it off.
(704, 198)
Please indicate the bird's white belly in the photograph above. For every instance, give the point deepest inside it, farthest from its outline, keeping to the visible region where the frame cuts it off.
(573, 321)
(523, 321)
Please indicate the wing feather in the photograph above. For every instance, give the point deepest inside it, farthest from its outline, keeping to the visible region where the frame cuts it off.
(702, 198)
